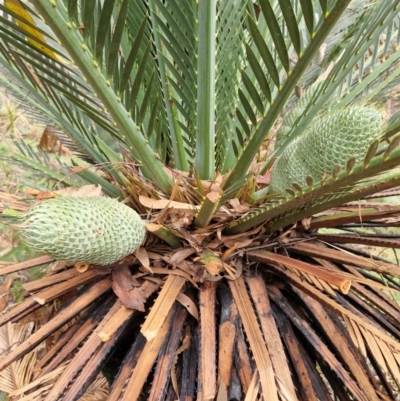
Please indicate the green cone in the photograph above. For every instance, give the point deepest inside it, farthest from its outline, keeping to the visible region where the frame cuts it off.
(291, 117)
(330, 141)
(95, 230)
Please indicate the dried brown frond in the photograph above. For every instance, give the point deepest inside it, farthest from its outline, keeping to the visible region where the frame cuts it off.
(19, 373)
(98, 390)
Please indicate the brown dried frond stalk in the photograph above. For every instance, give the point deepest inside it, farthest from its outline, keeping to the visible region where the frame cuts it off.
(340, 310)
(207, 366)
(272, 338)
(256, 340)
(162, 306)
(147, 358)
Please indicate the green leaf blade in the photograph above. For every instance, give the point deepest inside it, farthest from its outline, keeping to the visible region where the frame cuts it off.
(119, 27)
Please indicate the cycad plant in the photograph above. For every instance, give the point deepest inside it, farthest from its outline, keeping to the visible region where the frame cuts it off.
(252, 138)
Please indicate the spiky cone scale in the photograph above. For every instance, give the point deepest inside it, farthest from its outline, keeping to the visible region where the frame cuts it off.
(95, 230)
(330, 141)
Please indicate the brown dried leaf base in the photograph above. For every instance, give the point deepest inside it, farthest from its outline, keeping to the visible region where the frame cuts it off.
(284, 318)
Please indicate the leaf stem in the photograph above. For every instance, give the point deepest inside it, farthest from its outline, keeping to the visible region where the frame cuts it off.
(205, 146)
(207, 209)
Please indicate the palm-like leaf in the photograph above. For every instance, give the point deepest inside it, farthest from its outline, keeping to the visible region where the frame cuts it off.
(193, 93)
